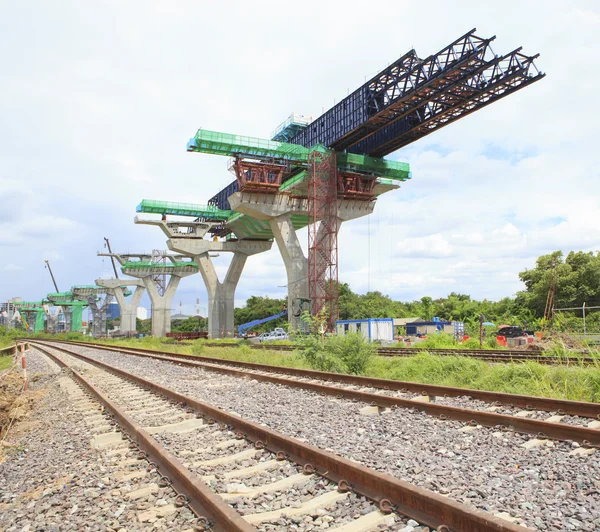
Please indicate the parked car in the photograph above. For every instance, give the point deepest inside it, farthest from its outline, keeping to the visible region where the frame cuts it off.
(276, 335)
(263, 336)
(511, 332)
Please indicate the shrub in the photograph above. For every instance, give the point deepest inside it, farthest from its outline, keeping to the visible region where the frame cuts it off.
(348, 353)
(317, 356)
(353, 350)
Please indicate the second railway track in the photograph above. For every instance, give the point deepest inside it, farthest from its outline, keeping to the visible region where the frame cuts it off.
(543, 417)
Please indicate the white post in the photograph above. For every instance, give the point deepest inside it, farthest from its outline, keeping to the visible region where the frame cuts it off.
(583, 318)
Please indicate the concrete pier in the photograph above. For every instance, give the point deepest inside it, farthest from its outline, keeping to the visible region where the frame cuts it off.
(128, 309)
(187, 238)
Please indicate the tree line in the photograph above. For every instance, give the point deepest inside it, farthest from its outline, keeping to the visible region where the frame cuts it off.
(576, 278)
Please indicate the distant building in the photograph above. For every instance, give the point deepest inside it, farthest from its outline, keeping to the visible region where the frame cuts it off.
(113, 311)
(142, 313)
(373, 329)
(434, 326)
(180, 316)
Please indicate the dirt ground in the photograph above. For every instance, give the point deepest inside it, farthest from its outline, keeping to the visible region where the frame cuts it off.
(15, 409)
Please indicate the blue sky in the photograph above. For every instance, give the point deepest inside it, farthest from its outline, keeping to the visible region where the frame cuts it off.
(98, 100)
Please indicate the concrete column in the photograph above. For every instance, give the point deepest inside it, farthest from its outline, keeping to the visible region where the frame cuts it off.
(221, 294)
(128, 310)
(161, 305)
(296, 264)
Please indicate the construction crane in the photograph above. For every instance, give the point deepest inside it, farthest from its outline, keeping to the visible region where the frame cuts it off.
(52, 275)
(107, 244)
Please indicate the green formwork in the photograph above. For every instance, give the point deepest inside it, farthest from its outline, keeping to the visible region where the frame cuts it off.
(216, 143)
(207, 212)
(76, 317)
(39, 321)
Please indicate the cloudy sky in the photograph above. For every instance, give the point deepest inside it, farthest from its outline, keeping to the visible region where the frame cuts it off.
(98, 100)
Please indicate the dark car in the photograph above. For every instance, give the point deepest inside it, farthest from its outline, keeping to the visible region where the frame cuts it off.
(511, 332)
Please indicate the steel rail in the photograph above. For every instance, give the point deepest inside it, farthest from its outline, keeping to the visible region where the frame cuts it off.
(557, 431)
(392, 494)
(201, 500)
(487, 355)
(562, 406)
(490, 355)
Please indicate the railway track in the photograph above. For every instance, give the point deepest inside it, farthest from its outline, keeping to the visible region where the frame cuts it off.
(223, 466)
(546, 418)
(488, 355)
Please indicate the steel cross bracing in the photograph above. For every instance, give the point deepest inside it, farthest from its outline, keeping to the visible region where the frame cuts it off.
(413, 97)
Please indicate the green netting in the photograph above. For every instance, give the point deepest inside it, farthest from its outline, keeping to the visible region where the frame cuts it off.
(76, 318)
(381, 167)
(39, 321)
(60, 297)
(206, 141)
(226, 144)
(60, 294)
(208, 212)
(247, 227)
(293, 181)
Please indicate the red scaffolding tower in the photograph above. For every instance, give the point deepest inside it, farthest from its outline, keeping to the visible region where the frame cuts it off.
(322, 233)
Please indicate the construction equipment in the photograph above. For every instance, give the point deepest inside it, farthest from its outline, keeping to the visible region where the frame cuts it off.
(52, 275)
(107, 244)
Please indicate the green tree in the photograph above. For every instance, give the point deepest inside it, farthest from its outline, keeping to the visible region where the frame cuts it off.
(257, 308)
(577, 281)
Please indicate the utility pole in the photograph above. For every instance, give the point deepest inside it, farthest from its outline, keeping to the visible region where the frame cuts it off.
(481, 331)
(111, 258)
(52, 275)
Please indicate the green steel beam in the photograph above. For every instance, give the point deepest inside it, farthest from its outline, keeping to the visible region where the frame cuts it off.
(207, 212)
(216, 143)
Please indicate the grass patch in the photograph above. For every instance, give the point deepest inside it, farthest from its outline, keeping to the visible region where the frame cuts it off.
(5, 362)
(574, 382)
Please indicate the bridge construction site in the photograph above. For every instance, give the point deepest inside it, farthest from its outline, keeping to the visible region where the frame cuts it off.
(315, 173)
(329, 422)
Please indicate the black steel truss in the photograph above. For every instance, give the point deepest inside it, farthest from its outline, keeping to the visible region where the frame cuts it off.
(413, 97)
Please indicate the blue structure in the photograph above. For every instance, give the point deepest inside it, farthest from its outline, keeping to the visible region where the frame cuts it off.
(436, 325)
(113, 311)
(245, 326)
(374, 329)
(414, 97)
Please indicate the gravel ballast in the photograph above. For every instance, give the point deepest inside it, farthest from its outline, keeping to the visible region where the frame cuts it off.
(53, 480)
(544, 488)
